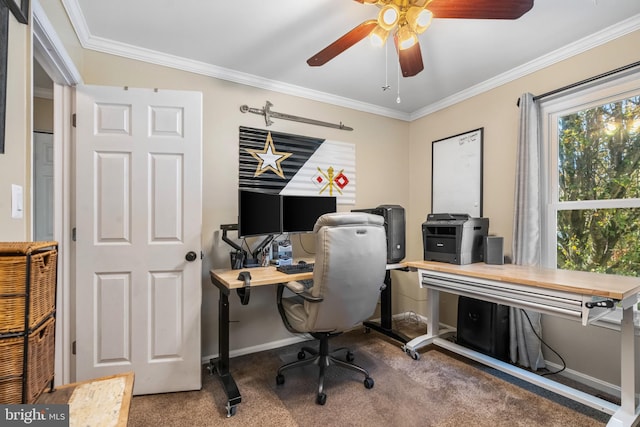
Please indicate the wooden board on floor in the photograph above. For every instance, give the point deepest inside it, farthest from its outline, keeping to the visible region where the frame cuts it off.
(99, 402)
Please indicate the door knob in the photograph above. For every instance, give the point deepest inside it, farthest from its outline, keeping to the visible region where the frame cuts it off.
(191, 256)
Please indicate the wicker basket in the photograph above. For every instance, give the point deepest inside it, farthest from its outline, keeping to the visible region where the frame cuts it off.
(13, 284)
(40, 364)
(10, 390)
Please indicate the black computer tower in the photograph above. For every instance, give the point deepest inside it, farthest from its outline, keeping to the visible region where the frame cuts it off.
(394, 224)
(484, 326)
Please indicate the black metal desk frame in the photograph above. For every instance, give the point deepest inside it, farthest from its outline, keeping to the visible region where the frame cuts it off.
(220, 364)
(385, 326)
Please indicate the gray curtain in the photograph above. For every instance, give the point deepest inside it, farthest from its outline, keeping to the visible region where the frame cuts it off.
(525, 347)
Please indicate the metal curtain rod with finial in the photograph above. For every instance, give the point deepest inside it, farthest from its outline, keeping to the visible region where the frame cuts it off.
(585, 81)
(268, 115)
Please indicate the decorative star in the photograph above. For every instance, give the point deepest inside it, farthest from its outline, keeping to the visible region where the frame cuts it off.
(268, 158)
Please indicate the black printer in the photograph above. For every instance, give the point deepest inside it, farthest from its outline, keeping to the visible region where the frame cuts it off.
(454, 238)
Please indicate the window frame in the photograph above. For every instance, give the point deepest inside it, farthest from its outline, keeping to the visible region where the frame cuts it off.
(611, 89)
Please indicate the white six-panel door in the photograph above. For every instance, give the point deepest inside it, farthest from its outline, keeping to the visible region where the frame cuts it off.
(138, 215)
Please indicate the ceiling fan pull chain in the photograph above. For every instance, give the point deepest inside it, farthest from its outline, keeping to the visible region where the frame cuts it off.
(398, 100)
(386, 68)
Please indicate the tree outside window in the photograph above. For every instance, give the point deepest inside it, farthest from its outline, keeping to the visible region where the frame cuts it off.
(598, 188)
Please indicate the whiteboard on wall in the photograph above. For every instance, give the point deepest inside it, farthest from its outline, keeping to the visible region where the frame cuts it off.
(456, 174)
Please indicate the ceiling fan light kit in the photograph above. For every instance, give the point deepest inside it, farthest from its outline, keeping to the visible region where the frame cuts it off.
(388, 16)
(406, 37)
(378, 36)
(419, 19)
(407, 23)
(405, 19)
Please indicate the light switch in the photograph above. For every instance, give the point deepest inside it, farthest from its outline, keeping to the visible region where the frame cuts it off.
(16, 201)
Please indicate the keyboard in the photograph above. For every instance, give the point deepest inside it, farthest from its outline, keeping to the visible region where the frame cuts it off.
(295, 268)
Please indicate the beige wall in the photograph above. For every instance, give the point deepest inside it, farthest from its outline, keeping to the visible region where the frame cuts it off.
(14, 163)
(385, 148)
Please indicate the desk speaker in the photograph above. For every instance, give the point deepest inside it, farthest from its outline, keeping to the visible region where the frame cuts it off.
(493, 250)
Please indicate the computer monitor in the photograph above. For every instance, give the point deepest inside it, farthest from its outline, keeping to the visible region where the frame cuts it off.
(300, 213)
(259, 213)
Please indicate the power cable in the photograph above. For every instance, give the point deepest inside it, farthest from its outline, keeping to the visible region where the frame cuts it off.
(564, 364)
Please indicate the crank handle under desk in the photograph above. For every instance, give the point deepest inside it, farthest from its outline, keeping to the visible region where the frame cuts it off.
(245, 292)
(601, 304)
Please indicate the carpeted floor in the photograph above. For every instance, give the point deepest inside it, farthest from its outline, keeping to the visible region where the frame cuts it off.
(440, 389)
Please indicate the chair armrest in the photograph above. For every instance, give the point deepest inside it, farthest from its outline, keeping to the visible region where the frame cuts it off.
(300, 290)
(308, 297)
(295, 287)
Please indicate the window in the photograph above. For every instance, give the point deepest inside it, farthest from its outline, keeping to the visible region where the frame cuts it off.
(593, 191)
(591, 153)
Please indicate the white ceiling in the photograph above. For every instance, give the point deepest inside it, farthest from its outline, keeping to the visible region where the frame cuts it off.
(266, 44)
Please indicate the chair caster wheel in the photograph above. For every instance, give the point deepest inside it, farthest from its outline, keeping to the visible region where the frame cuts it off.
(279, 379)
(350, 357)
(321, 399)
(368, 382)
(301, 355)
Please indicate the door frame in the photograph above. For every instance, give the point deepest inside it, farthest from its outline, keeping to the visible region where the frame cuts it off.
(50, 52)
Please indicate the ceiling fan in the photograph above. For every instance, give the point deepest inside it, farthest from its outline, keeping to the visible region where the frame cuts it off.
(405, 19)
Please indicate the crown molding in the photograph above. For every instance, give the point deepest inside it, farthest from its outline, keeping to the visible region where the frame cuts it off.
(594, 40)
(77, 19)
(198, 67)
(99, 44)
(49, 50)
(146, 55)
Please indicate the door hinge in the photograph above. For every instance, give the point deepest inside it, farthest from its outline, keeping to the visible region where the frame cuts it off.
(73, 234)
(73, 347)
(73, 120)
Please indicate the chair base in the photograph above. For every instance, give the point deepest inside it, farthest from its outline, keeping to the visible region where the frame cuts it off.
(324, 359)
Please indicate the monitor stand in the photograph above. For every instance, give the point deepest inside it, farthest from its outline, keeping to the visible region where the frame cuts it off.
(241, 259)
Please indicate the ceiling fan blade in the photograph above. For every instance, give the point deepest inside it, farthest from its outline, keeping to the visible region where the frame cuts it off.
(342, 44)
(480, 9)
(410, 59)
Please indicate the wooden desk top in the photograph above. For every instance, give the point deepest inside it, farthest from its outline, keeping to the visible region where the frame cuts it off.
(595, 284)
(580, 282)
(260, 276)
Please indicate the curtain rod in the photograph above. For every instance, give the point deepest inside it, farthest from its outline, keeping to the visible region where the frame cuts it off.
(585, 81)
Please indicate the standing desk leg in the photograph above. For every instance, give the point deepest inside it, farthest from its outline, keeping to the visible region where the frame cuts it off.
(221, 364)
(386, 314)
(433, 325)
(628, 414)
